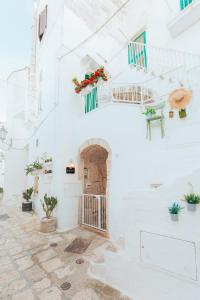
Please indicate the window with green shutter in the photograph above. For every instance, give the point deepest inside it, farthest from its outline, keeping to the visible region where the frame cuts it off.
(91, 102)
(137, 54)
(184, 3)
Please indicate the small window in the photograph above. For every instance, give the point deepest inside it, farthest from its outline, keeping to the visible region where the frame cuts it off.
(42, 23)
(184, 3)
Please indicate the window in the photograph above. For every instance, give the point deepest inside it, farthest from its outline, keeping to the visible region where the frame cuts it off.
(137, 51)
(91, 100)
(184, 3)
(42, 23)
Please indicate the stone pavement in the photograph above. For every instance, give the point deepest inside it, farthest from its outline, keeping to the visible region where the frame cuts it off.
(38, 266)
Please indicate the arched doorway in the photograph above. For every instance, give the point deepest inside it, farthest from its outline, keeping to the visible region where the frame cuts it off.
(95, 167)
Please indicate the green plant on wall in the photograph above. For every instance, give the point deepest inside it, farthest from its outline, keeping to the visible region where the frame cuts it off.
(48, 160)
(175, 209)
(1, 190)
(27, 194)
(192, 198)
(29, 169)
(37, 165)
(48, 205)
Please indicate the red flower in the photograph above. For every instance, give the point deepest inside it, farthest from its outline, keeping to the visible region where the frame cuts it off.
(96, 74)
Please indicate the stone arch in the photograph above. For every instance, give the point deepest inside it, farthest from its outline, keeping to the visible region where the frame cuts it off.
(91, 143)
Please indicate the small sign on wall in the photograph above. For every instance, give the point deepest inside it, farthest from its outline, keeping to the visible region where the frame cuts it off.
(70, 168)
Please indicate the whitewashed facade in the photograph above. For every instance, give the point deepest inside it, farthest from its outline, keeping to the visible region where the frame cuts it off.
(73, 43)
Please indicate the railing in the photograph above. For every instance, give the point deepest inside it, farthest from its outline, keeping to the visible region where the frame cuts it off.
(94, 211)
(149, 57)
(185, 3)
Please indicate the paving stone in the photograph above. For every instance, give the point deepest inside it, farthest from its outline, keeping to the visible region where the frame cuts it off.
(45, 255)
(24, 263)
(87, 294)
(63, 272)
(34, 274)
(25, 295)
(41, 285)
(52, 293)
(53, 264)
(8, 277)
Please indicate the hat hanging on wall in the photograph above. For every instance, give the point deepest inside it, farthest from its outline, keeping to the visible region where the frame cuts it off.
(180, 98)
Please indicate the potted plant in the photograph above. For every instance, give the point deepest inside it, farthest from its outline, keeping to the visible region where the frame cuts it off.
(171, 114)
(27, 205)
(1, 193)
(48, 171)
(37, 167)
(174, 211)
(192, 200)
(29, 169)
(48, 223)
(48, 160)
(182, 113)
(150, 112)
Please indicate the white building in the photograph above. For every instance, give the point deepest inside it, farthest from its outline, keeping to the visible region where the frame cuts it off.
(149, 48)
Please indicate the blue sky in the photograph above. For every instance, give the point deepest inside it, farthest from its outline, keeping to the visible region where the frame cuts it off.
(15, 35)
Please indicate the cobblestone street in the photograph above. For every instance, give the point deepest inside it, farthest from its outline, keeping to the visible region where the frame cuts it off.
(38, 266)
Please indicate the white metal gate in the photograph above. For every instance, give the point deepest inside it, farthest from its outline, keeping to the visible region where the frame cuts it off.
(94, 211)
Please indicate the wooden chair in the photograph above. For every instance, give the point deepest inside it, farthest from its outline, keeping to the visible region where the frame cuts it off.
(159, 116)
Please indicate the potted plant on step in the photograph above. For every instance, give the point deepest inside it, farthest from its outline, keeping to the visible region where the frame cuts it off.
(1, 193)
(27, 205)
(192, 200)
(150, 112)
(48, 223)
(174, 211)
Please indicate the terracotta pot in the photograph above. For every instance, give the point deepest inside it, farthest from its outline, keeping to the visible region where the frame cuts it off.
(27, 206)
(48, 225)
(171, 114)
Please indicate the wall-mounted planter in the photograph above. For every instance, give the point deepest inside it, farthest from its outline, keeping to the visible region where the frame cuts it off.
(191, 207)
(174, 217)
(182, 113)
(27, 206)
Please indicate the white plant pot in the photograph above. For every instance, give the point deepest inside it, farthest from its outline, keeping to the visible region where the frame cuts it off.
(174, 217)
(191, 207)
(36, 172)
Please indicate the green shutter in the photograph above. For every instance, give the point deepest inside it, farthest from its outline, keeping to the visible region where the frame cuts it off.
(184, 3)
(138, 59)
(91, 100)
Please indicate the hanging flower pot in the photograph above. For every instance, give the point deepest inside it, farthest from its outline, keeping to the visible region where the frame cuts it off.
(91, 80)
(182, 113)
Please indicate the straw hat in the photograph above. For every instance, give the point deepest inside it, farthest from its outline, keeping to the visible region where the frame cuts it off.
(180, 98)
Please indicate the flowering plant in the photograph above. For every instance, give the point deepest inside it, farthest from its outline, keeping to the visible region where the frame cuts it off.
(90, 79)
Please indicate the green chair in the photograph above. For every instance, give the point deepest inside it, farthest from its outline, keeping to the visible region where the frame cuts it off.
(159, 116)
